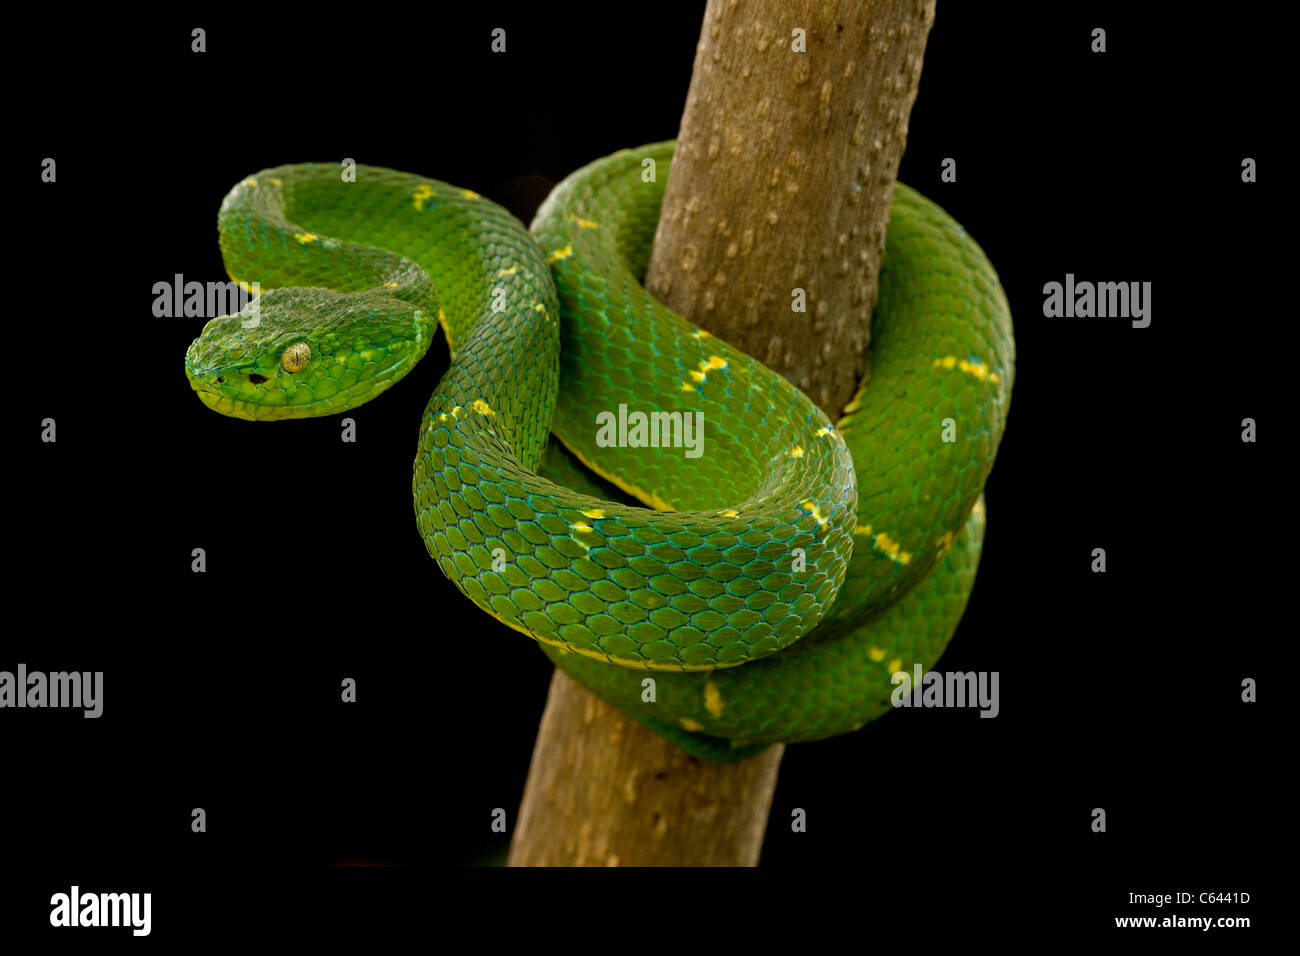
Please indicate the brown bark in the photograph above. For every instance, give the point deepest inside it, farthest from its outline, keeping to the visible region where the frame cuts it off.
(783, 175)
(603, 790)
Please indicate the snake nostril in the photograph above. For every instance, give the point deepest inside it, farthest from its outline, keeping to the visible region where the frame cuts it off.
(221, 379)
(257, 379)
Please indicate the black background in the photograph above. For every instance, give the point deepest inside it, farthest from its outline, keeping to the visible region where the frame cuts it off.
(1119, 691)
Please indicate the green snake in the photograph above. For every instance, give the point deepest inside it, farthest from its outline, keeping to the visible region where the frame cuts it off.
(749, 589)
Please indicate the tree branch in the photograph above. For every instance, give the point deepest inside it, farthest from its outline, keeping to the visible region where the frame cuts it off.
(782, 179)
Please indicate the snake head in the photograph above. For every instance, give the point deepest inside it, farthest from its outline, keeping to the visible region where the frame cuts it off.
(299, 353)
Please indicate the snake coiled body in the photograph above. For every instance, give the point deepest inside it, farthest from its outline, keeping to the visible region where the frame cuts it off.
(767, 588)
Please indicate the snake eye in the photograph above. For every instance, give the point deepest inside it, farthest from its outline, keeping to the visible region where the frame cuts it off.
(296, 357)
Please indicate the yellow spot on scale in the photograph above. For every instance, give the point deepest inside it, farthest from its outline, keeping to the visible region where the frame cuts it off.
(390, 285)
(306, 237)
(691, 725)
(862, 529)
(423, 193)
(250, 181)
(507, 272)
(713, 699)
(559, 254)
(876, 654)
(812, 508)
(710, 364)
(539, 307)
(730, 514)
(687, 387)
(979, 507)
(482, 407)
(276, 181)
(977, 369)
(891, 547)
(594, 513)
(824, 431)
(796, 452)
(455, 412)
(944, 543)
(580, 526)
(700, 334)
(895, 666)
(470, 194)
(584, 223)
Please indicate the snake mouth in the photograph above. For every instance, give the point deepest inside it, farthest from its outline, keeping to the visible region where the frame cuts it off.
(205, 385)
(209, 380)
(198, 382)
(258, 404)
(205, 382)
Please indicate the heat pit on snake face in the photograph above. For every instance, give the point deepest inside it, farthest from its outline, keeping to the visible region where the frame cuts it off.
(257, 379)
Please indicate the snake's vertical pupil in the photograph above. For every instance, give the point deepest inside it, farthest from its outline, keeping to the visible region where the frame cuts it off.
(295, 357)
